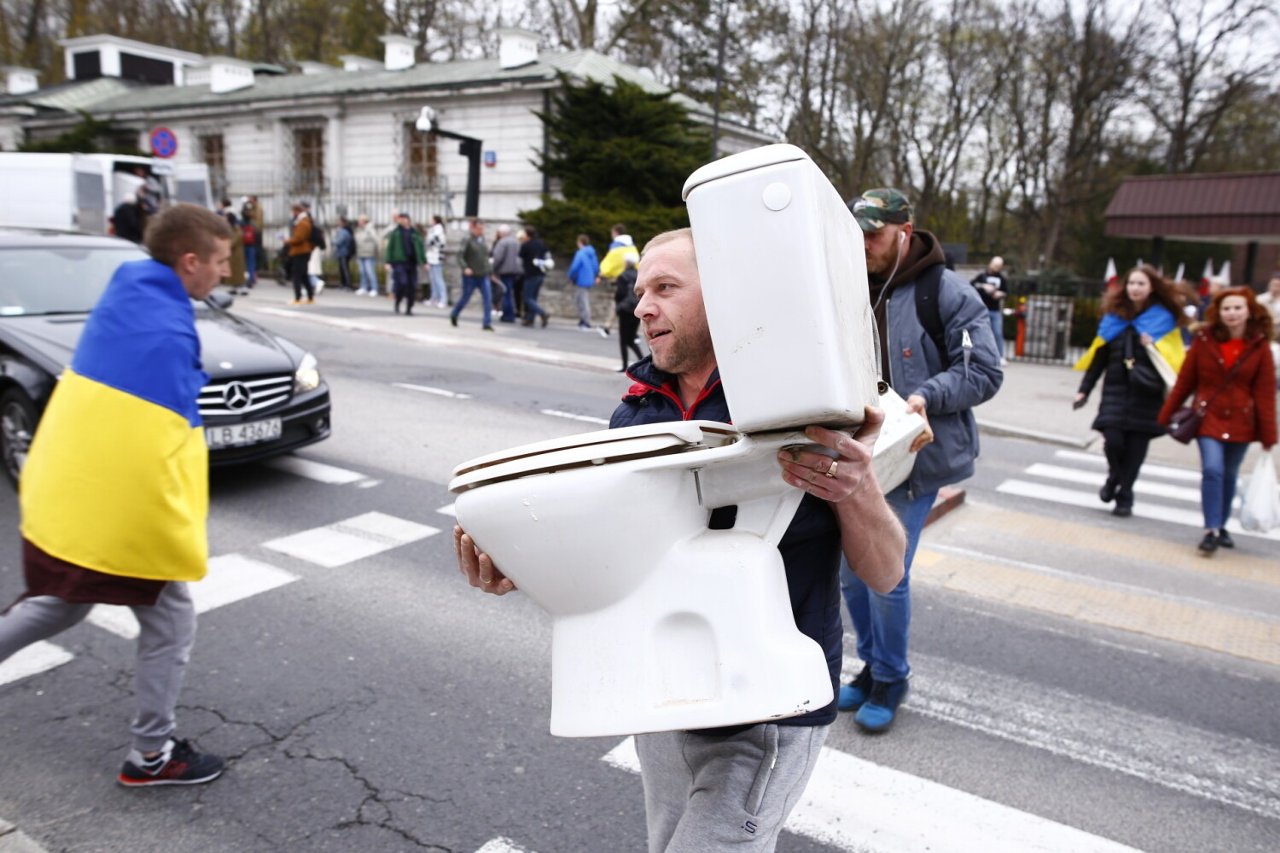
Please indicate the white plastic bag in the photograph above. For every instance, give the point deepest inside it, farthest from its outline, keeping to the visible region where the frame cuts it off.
(1261, 508)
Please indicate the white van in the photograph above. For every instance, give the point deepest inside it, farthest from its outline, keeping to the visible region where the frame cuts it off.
(79, 192)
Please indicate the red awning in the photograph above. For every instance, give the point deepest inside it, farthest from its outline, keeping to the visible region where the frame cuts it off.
(1226, 208)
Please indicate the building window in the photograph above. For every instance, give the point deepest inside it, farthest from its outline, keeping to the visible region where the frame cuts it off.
(146, 69)
(308, 158)
(213, 154)
(211, 151)
(421, 163)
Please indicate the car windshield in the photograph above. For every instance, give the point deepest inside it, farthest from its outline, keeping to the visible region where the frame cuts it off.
(57, 280)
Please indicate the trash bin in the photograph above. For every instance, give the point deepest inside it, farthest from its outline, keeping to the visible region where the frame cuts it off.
(1048, 327)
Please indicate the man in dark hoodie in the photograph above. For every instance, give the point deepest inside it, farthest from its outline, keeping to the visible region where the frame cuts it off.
(942, 372)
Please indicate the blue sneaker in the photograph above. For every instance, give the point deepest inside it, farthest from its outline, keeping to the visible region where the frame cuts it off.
(880, 709)
(853, 694)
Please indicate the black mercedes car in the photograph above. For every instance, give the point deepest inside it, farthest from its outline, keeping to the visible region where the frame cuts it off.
(265, 394)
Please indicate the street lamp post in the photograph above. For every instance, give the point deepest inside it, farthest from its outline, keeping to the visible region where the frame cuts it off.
(720, 45)
(469, 147)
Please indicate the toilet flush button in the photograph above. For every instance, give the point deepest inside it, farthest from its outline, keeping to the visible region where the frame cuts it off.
(776, 196)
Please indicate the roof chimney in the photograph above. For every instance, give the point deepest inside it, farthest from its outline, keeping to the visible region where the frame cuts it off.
(226, 74)
(312, 68)
(516, 47)
(351, 62)
(19, 81)
(399, 52)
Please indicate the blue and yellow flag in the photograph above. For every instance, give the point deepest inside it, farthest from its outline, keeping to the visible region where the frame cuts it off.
(1156, 322)
(117, 479)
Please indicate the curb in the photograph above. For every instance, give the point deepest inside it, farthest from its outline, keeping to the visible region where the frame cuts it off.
(14, 840)
(949, 498)
(1009, 431)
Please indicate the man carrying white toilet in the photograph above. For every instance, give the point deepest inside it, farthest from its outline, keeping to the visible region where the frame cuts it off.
(734, 787)
(939, 353)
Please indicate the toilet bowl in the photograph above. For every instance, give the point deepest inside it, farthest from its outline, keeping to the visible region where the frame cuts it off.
(659, 622)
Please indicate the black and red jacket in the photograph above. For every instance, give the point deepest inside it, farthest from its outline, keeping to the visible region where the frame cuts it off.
(810, 548)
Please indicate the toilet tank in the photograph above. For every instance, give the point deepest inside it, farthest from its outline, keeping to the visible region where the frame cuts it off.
(784, 279)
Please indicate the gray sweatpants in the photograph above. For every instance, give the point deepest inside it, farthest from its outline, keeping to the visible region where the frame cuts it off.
(705, 793)
(167, 632)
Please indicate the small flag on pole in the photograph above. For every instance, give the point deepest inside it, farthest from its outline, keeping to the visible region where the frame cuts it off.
(1111, 278)
(1182, 270)
(1224, 273)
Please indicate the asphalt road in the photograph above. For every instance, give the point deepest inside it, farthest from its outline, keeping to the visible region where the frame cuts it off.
(369, 700)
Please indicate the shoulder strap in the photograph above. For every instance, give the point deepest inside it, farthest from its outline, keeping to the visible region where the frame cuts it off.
(929, 313)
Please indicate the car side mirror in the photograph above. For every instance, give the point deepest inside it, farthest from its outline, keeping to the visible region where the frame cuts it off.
(220, 299)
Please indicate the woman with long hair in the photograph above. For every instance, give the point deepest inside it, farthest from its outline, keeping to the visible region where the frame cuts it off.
(1143, 311)
(1232, 374)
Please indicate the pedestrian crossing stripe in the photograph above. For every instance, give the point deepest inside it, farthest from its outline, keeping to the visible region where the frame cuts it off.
(231, 577)
(1095, 480)
(357, 538)
(1087, 500)
(312, 470)
(36, 658)
(1186, 475)
(855, 805)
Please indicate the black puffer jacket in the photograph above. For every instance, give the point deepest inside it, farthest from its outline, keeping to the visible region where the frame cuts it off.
(1124, 405)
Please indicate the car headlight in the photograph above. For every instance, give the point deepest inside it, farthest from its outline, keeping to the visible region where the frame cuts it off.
(307, 376)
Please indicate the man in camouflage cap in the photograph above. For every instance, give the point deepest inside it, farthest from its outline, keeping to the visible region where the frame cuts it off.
(943, 364)
(875, 209)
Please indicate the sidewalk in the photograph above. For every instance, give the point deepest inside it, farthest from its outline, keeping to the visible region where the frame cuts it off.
(1034, 403)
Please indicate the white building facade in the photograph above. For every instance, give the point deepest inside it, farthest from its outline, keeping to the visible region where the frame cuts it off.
(346, 138)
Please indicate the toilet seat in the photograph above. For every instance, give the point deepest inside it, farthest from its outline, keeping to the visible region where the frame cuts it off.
(593, 448)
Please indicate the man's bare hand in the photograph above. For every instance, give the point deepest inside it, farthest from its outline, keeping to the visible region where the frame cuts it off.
(918, 404)
(478, 567)
(842, 469)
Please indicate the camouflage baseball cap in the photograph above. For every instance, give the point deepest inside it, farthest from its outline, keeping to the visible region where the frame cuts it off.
(875, 209)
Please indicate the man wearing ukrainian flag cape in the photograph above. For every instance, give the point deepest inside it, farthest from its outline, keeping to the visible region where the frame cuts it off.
(115, 490)
(1140, 350)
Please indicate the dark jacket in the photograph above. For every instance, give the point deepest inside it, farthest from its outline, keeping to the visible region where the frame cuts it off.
(475, 255)
(532, 250)
(811, 546)
(988, 277)
(393, 251)
(1125, 404)
(1244, 409)
(912, 364)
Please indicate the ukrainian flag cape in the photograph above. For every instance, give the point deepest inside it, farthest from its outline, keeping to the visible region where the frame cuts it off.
(615, 261)
(117, 479)
(1156, 321)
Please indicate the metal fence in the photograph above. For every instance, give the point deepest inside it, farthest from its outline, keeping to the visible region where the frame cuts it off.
(1051, 321)
(378, 198)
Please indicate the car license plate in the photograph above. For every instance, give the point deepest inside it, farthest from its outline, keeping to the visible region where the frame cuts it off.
(238, 435)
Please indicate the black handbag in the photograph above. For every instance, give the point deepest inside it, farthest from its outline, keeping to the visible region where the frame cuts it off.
(1184, 424)
(1142, 373)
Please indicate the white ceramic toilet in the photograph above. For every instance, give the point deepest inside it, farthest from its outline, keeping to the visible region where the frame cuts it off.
(658, 622)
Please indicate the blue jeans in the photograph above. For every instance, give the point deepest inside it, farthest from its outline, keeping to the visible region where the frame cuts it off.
(470, 283)
(997, 326)
(532, 284)
(1219, 469)
(368, 276)
(508, 298)
(251, 265)
(882, 620)
(439, 294)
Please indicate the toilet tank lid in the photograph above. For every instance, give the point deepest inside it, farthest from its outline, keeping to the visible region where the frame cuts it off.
(745, 161)
(603, 443)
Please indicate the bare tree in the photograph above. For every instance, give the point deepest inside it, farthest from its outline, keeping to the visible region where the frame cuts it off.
(1202, 66)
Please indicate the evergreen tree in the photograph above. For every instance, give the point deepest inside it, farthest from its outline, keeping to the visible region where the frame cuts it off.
(621, 154)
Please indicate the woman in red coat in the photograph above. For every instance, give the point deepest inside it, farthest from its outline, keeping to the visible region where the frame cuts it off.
(1233, 376)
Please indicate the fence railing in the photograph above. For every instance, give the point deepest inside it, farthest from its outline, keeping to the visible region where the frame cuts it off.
(1051, 321)
(379, 198)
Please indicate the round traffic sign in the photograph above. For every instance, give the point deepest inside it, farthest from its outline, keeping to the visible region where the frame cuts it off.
(164, 142)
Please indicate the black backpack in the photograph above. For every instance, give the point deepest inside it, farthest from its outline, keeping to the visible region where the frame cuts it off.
(317, 237)
(929, 313)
